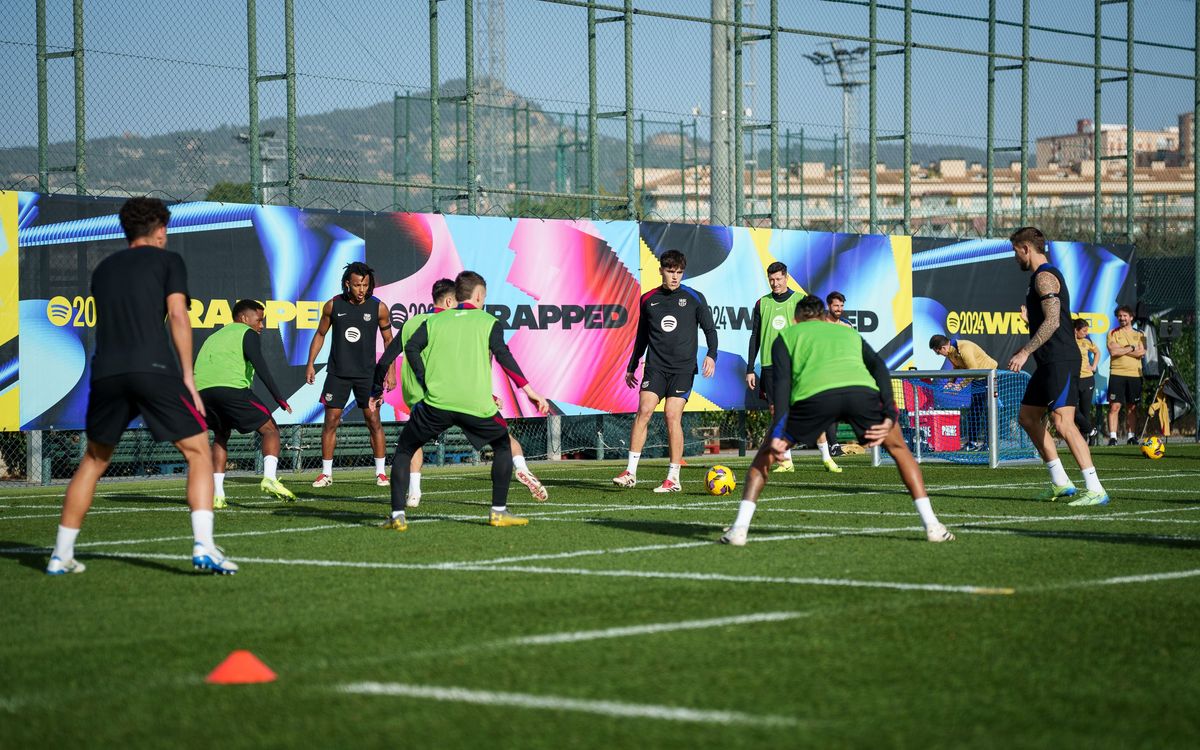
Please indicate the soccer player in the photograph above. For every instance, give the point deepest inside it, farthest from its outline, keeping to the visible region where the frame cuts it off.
(135, 373)
(1052, 345)
(1089, 359)
(967, 355)
(772, 313)
(443, 299)
(225, 368)
(825, 372)
(1126, 347)
(451, 357)
(835, 308)
(668, 318)
(355, 317)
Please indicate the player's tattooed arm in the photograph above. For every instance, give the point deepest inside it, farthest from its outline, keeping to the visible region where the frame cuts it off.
(1047, 288)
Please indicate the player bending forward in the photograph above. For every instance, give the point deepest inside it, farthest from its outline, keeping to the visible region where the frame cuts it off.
(835, 375)
(443, 299)
(451, 356)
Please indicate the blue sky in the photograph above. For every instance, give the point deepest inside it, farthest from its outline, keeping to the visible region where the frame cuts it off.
(158, 67)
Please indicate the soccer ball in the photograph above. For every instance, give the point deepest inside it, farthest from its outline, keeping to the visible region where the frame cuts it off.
(1153, 447)
(719, 480)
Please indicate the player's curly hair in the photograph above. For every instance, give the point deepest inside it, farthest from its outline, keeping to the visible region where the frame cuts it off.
(142, 216)
(361, 269)
(673, 260)
(809, 307)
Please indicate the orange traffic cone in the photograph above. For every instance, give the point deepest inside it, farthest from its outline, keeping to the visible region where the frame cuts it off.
(240, 668)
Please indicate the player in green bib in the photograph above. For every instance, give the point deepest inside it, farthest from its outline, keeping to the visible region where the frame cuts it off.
(772, 313)
(413, 393)
(826, 372)
(451, 357)
(225, 369)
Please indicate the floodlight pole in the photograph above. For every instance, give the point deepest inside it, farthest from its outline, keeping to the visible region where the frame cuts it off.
(844, 61)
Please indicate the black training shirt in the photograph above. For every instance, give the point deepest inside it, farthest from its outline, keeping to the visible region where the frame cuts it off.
(131, 287)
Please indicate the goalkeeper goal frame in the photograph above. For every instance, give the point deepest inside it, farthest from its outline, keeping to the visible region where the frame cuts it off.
(916, 399)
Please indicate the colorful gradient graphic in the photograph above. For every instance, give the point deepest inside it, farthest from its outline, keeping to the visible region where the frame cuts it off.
(729, 267)
(974, 289)
(567, 292)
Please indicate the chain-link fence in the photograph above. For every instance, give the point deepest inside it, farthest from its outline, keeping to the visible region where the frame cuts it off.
(960, 118)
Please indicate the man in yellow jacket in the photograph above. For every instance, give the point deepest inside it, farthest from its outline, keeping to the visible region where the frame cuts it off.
(967, 355)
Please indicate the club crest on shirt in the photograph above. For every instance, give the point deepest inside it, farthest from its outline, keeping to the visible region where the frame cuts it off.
(683, 301)
(367, 317)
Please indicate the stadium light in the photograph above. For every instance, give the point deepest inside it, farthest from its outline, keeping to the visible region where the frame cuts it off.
(845, 69)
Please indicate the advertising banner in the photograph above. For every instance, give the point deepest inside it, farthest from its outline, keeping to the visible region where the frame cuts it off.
(973, 289)
(566, 292)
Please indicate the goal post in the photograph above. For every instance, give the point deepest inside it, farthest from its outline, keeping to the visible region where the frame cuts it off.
(961, 416)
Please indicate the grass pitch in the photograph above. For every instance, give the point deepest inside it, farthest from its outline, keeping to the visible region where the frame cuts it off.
(613, 619)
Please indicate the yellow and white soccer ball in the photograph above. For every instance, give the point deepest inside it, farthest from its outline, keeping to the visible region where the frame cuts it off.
(1153, 447)
(720, 480)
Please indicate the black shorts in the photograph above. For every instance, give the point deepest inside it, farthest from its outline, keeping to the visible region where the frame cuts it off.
(337, 390)
(1053, 386)
(1124, 389)
(229, 409)
(427, 422)
(766, 385)
(668, 384)
(807, 419)
(161, 400)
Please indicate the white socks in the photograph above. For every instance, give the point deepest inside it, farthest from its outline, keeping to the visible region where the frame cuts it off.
(631, 467)
(1058, 475)
(414, 483)
(1091, 480)
(219, 484)
(64, 543)
(745, 512)
(380, 465)
(327, 467)
(1129, 436)
(519, 463)
(270, 466)
(1112, 435)
(673, 472)
(824, 448)
(926, 511)
(202, 528)
(787, 455)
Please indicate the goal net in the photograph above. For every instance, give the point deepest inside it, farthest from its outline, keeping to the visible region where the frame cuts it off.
(963, 416)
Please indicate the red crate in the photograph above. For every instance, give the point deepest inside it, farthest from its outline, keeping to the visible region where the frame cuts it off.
(944, 429)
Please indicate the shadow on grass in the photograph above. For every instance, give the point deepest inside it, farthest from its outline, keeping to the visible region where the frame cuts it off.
(1144, 540)
(661, 528)
(176, 497)
(329, 514)
(35, 558)
(31, 556)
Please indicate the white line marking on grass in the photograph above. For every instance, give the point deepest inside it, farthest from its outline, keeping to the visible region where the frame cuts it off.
(1145, 578)
(666, 575)
(664, 627)
(558, 703)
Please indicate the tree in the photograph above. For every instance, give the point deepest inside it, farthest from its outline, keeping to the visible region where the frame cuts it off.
(231, 192)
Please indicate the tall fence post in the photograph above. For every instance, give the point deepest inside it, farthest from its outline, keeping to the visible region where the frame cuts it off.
(554, 437)
(35, 465)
